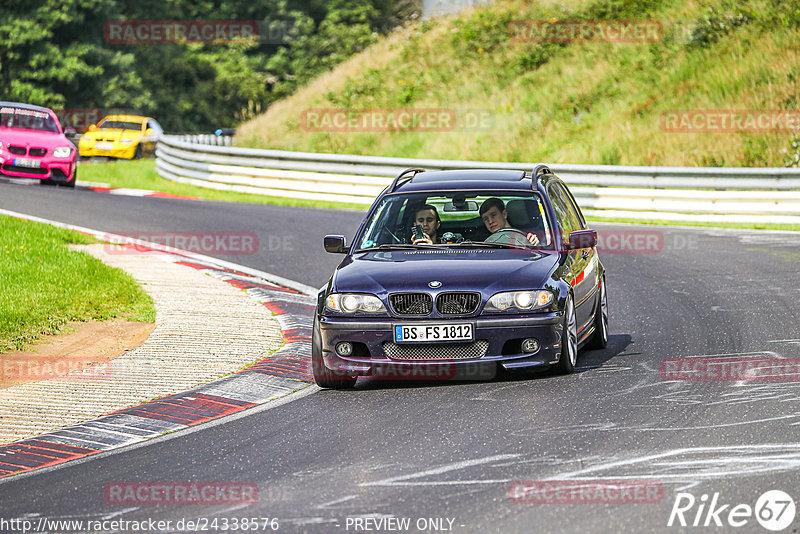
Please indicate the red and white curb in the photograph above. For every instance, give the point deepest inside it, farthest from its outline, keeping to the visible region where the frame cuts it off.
(104, 188)
(278, 375)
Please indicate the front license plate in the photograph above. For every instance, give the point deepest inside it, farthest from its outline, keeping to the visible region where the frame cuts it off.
(431, 333)
(104, 146)
(31, 163)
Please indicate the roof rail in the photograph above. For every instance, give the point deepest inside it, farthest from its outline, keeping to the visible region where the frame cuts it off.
(540, 169)
(414, 170)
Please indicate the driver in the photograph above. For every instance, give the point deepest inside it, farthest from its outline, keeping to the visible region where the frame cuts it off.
(495, 217)
(427, 217)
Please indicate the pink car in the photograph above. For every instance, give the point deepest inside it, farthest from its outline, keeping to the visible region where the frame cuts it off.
(33, 145)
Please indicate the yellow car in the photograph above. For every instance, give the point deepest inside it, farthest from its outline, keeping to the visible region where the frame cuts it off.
(121, 136)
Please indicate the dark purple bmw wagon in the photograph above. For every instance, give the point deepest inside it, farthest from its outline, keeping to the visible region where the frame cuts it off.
(462, 270)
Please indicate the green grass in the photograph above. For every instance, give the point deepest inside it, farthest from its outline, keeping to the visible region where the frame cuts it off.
(742, 226)
(142, 174)
(44, 285)
(579, 102)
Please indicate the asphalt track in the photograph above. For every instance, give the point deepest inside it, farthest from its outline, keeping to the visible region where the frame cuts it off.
(423, 450)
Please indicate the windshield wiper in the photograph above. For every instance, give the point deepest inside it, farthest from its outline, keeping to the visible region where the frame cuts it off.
(397, 246)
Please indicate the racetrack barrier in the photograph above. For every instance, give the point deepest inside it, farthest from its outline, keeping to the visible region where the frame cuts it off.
(725, 194)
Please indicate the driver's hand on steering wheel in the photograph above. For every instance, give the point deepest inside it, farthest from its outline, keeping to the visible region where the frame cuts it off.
(532, 238)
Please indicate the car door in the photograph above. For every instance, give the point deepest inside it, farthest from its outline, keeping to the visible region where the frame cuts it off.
(581, 261)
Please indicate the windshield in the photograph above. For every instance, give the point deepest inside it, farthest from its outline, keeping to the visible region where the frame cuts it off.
(513, 219)
(120, 125)
(27, 119)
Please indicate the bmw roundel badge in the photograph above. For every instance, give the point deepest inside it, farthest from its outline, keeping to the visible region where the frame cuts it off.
(434, 284)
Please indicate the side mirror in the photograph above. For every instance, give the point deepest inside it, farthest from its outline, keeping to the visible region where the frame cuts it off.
(582, 239)
(91, 128)
(335, 244)
(149, 131)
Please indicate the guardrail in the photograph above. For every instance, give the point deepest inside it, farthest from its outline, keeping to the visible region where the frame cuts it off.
(766, 195)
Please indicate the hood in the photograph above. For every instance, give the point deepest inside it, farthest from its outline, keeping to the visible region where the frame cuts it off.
(485, 270)
(33, 138)
(113, 134)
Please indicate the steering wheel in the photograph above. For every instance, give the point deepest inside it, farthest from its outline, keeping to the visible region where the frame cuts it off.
(509, 236)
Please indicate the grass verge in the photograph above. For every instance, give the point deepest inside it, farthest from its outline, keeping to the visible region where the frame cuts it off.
(44, 285)
(141, 174)
(702, 224)
(515, 97)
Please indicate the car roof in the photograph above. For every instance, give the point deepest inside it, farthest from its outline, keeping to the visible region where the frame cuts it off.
(26, 106)
(466, 179)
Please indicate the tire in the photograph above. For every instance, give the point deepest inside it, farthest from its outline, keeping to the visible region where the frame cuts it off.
(600, 336)
(324, 377)
(569, 340)
(137, 154)
(71, 183)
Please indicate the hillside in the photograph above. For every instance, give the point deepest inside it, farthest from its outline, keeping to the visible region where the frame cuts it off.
(512, 97)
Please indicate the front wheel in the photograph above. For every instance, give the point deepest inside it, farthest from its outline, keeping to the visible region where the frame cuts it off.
(74, 180)
(569, 340)
(324, 377)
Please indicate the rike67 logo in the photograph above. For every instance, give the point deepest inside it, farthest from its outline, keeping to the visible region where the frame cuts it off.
(774, 510)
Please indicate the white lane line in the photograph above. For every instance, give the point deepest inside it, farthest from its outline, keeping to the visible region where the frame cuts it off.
(771, 457)
(401, 480)
(337, 501)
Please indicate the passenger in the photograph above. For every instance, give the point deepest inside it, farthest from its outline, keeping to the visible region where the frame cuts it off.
(427, 217)
(495, 217)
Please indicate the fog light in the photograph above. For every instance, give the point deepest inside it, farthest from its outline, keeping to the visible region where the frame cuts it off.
(530, 345)
(346, 349)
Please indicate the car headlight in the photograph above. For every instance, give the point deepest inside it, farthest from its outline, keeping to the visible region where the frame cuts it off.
(353, 303)
(520, 300)
(62, 152)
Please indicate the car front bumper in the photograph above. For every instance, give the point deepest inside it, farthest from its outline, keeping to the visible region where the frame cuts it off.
(58, 168)
(501, 335)
(126, 151)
